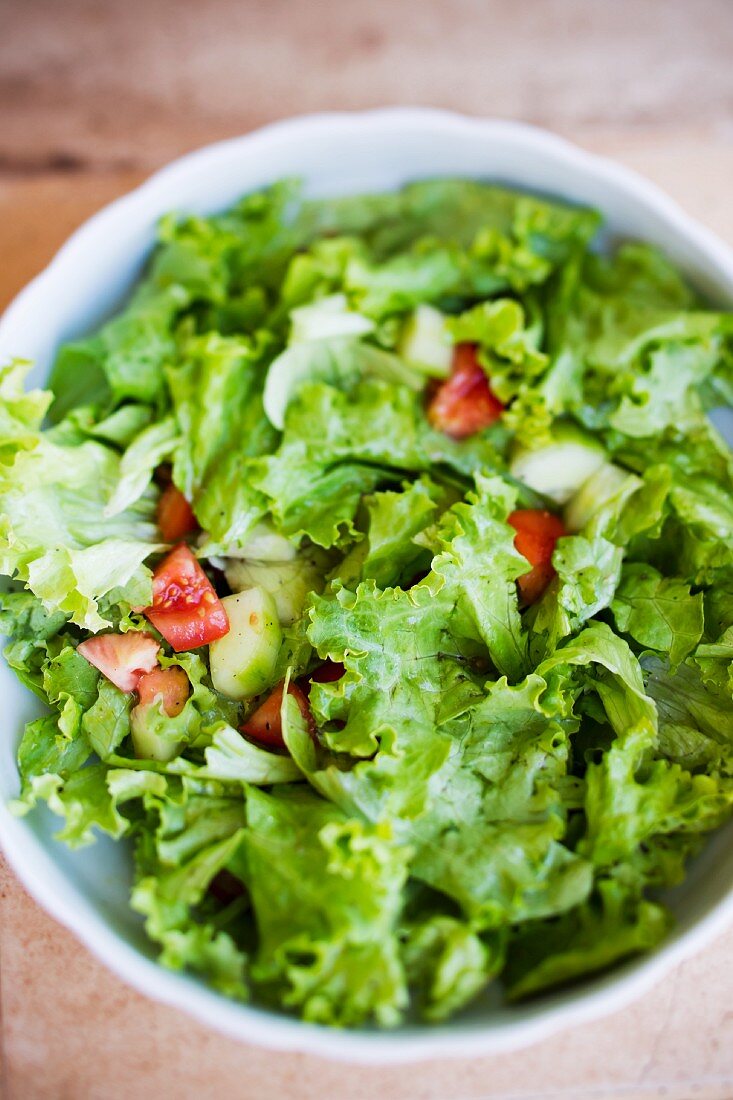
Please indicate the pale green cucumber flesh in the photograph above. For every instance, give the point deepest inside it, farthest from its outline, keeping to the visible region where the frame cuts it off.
(265, 544)
(242, 663)
(289, 583)
(425, 343)
(558, 469)
(327, 317)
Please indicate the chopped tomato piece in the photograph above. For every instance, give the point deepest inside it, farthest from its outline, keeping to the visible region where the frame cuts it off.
(122, 658)
(170, 686)
(327, 673)
(537, 533)
(464, 403)
(185, 609)
(265, 725)
(175, 515)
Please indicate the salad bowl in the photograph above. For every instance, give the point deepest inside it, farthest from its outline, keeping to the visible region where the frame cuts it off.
(334, 155)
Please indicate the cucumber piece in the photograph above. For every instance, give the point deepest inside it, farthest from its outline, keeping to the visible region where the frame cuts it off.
(242, 663)
(558, 469)
(327, 317)
(265, 544)
(288, 582)
(425, 342)
(601, 488)
(149, 742)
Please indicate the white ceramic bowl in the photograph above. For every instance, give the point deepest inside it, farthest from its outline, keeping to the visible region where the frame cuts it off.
(334, 154)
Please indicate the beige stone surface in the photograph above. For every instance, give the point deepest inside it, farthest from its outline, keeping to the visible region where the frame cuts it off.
(92, 96)
(124, 82)
(72, 1030)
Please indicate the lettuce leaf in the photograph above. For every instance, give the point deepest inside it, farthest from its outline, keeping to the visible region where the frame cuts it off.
(448, 963)
(477, 569)
(633, 347)
(146, 452)
(609, 927)
(588, 572)
(20, 412)
(54, 531)
(192, 833)
(216, 388)
(390, 552)
(658, 612)
(87, 799)
(492, 840)
(339, 444)
(333, 951)
(694, 709)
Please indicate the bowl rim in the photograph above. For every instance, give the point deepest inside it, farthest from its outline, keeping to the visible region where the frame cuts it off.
(53, 889)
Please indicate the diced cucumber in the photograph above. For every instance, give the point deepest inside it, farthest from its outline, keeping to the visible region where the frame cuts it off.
(289, 582)
(327, 317)
(242, 663)
(558, 469)
(425, 342)
(601, 488)
(147, 726)
(265, 544)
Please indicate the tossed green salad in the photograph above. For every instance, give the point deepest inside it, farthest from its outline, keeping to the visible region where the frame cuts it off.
(376, 565)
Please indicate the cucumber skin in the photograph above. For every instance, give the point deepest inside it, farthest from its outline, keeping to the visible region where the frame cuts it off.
(242, 663)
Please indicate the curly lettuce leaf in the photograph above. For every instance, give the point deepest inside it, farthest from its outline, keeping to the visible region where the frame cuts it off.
(340, 444)
(216, 388)
(87, 798)
(458, 238)
(55, 534)
(125, 360)
(21, 411)
(658, 612)
(389, 552)
(448, 963)
(633, 345)
(155, 444)
(694, 707)
(477, 567)
(610, 926)
(493, 837)
(588, 572)
(331, 951)
(191, 834)
(636, 805)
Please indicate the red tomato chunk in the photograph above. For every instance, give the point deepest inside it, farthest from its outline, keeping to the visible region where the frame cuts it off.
(170, 686)
(175, 515)
(537, 534)
(122, 658)
(265, 725)
(185, 609)
(464, 404)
